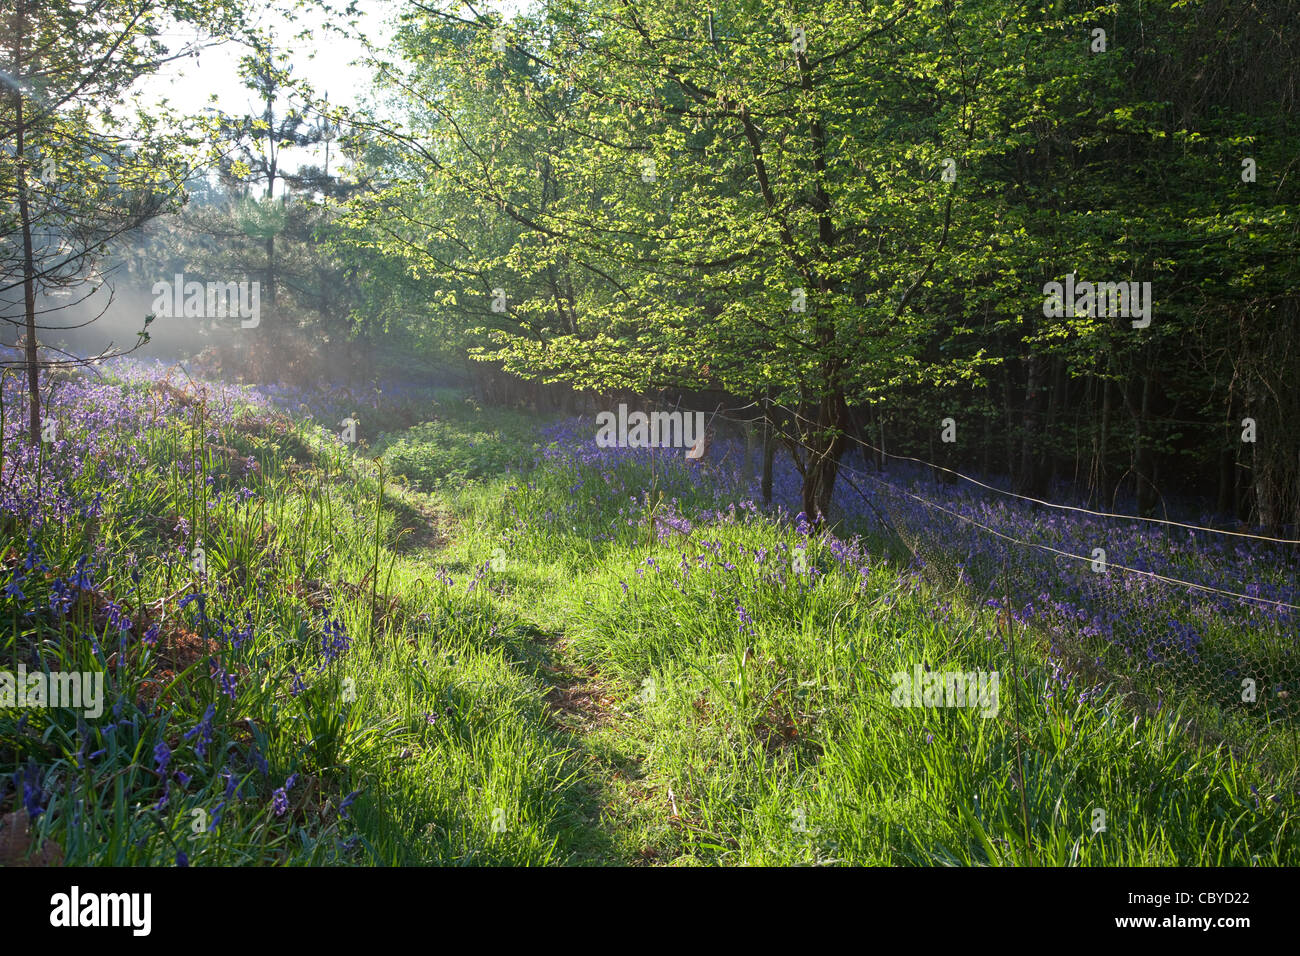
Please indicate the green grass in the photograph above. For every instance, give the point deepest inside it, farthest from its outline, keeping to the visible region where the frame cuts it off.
(488, 781)
(462, 443)
(681, 736)
(780, 746)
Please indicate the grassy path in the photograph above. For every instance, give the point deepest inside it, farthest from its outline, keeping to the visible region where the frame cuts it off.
(598, 809)
(442, 650)
(713, 701)
(577, 710)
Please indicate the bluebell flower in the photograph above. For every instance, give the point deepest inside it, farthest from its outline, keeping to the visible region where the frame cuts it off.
(202, 600)
(259, 761)
(13, 590)
(162, 755)
(203, 731)
(29, 779)
(334, 641)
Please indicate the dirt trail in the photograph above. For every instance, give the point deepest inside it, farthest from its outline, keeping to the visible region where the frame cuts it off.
(583, 711)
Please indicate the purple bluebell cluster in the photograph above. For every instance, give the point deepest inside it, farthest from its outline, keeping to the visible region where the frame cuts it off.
(201, 733)
(280, 798)
(96, 443)
(1155, 606)
(334, 640)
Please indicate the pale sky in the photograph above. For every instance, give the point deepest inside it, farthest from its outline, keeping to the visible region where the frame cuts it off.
(327, 63)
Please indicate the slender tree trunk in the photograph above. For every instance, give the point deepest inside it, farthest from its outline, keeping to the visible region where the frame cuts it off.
(862, 430)
(986, 451)
(1142, 454)
(30, 352)
(270, 271)
(1053, 408)
(883, 455)
(769, 451)
(1103, 446)
(1007, 406)
(749, 431)
(1030, 476)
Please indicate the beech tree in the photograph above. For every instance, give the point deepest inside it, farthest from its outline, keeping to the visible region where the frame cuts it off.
(756, 200)
(854, 209)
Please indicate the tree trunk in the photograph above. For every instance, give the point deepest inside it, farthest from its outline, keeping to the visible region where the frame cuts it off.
(1054, 397)
(769, 453)
(1103, 447)
(825, 443)
(30, 353)
(1030, 478)
(986, 451)
(1010, 431)
(1142, 454)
